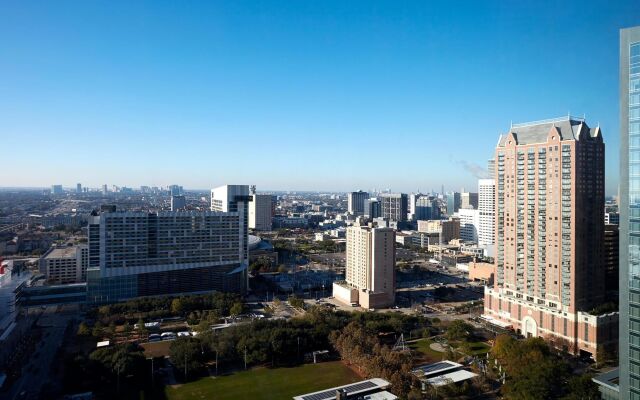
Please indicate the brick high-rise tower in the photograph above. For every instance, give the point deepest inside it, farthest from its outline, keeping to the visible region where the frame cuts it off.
(549, 234)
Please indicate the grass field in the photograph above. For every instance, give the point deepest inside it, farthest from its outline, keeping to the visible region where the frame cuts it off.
(265, 383)
(429, 354)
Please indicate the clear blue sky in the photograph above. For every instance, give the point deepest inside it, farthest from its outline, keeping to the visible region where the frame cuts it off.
(309, 95)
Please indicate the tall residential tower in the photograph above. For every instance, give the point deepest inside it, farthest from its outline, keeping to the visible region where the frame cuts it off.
(549, 235)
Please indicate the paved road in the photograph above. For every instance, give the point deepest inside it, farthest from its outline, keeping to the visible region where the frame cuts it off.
(36, 371)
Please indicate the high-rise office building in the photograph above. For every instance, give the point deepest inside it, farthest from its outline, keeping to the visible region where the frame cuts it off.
(394, 206)
(611, 261)
(56, 189)
(355, 202)
(135, 254)
(469, 200)
(629, 354)
(469, 224)
(175, 190)
(223, 198)
(453, 203)
(612, 218)
(262, 208)
(370, 268)
(412, 204)
(487, 209)
(550, 235)
(372, 208)
(79, 188)
(105, 190)
(178, 202)
(425, 208)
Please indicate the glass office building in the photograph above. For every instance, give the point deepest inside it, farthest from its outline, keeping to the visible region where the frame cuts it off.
(630, 213)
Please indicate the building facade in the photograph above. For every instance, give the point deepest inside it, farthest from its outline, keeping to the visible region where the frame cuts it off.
(134, 254)
(370, 268)
(394, 206)
(448, 229)
(66, 265)
(261, 211)
(550, 235)
(469, 200)
(178, 202)
(426, 208)
(487, 208)
(611, 261)
(454, 201)
(372, 208)
(469, 224)
(630, 212)
(355, 202)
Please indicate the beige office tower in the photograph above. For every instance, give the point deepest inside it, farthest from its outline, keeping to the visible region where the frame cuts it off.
(549, 235)
(370, 279)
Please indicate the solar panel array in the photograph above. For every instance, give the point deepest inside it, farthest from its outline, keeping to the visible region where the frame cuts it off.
(331, 394)
(428, 369)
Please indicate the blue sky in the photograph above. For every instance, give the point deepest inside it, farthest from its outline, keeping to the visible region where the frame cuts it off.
(308, 95)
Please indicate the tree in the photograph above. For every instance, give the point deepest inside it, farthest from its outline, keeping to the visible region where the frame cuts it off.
(127, 328)
(142, 330)
(459, 330)
(177, 306)
(83, 329)
(296, 302)
(581, 387)
(186, 355)
(237, 309)
(97, 330)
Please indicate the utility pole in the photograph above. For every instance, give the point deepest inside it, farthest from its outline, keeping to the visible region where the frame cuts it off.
(185, 366)
(216, 362)
(245, 357)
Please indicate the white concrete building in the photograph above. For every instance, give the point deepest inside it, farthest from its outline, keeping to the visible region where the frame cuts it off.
(469, 224)
(223, 197)
(487, 208)
(370, 268)
(67, 264)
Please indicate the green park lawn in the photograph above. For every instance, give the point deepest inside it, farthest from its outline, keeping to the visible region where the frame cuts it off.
(479, 348)
(422, 346)
(430, 355)
(266, 383)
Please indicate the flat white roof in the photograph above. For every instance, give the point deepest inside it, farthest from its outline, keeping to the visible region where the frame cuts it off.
(436, 368)
(495, 321)
(352, 389)
(103, 344)
(384, 395)
(452, 377)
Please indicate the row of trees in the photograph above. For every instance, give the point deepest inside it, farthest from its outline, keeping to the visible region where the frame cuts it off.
(116, 372)
(162, 307)
(280, 342)
(359, 346)
(532, 371)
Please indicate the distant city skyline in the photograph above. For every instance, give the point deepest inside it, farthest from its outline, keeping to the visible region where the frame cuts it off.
(336, 96)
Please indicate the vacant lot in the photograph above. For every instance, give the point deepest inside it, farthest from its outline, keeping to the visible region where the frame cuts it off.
(265, 383)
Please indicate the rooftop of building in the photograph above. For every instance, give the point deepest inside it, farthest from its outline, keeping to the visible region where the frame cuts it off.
(62, 252)
(569, 128)
(370, 385)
